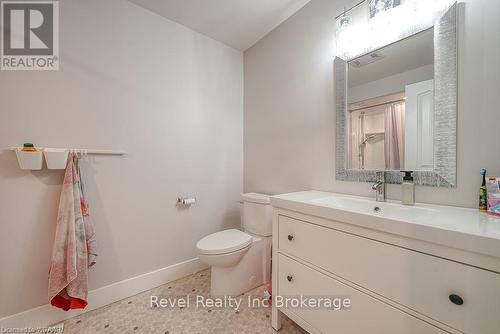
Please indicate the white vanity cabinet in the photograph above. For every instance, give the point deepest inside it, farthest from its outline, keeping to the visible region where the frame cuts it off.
(395, 284)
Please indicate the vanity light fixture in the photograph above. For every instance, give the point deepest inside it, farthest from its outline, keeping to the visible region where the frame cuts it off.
(365, 34)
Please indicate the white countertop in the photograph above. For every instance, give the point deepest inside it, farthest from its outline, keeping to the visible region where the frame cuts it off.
(461, 228)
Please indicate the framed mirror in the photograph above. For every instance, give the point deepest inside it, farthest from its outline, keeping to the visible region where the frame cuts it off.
(396, 108)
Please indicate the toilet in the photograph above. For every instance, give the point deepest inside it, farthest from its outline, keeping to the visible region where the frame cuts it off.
(241, 260)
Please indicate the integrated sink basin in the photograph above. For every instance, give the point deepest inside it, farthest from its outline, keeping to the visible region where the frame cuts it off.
(459, 228)
(371, 207)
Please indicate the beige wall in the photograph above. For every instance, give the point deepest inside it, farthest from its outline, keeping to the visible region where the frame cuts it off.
(128, 80)
(289, 126)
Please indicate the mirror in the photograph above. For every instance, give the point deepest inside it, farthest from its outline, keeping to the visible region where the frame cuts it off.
(396, 108)
(390, 108)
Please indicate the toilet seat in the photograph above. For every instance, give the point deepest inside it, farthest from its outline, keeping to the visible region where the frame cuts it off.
(223, 242)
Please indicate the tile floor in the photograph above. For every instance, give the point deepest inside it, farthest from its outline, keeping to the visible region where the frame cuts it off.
(135, 314)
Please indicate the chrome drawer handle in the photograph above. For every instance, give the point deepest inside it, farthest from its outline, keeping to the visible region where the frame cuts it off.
(456, 299)
(290, 237)
(289, 278)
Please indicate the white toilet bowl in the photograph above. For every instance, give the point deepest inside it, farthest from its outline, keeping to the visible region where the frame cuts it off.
(240, 261)
(245, 266)
(225, 248)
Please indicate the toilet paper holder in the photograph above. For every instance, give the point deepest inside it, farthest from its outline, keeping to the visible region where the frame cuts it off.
(186, 200)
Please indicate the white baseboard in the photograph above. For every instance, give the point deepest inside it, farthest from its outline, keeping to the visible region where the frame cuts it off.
(46, 315)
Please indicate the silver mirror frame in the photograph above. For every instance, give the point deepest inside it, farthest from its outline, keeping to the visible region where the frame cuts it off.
(445, 113)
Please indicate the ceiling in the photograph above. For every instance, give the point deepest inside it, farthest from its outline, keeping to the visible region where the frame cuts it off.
(237, 23)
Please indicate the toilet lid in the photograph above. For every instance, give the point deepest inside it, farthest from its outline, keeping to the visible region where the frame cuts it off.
(256, 198)
(224, 242)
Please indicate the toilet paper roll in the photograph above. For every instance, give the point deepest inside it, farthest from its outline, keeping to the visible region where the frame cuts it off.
(188, 201)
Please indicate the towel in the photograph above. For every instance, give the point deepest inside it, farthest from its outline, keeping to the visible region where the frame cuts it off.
(89, 226)
(68, 275)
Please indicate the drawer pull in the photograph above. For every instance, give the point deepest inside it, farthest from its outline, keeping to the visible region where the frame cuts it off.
(289, 278)
(456, 299)
(290, 237)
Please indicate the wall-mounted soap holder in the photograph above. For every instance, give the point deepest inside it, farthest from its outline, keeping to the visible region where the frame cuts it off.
(29, 160)
(56, 158)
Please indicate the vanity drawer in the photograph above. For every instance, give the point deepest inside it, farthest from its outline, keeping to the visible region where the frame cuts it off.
(423, 283)
(366, 314)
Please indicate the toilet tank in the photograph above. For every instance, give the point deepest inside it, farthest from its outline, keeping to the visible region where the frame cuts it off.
(257, 214)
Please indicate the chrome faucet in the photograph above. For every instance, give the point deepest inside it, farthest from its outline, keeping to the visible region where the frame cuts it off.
(380, 187)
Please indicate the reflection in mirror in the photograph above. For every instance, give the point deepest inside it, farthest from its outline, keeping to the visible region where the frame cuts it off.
(390, 106)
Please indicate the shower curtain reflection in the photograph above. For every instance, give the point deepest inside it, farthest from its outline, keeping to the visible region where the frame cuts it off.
(377, 136)
(394, 136)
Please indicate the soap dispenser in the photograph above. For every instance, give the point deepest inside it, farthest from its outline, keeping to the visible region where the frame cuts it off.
(408, 196)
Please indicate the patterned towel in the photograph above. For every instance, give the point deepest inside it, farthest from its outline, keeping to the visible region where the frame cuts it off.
(68, 275)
